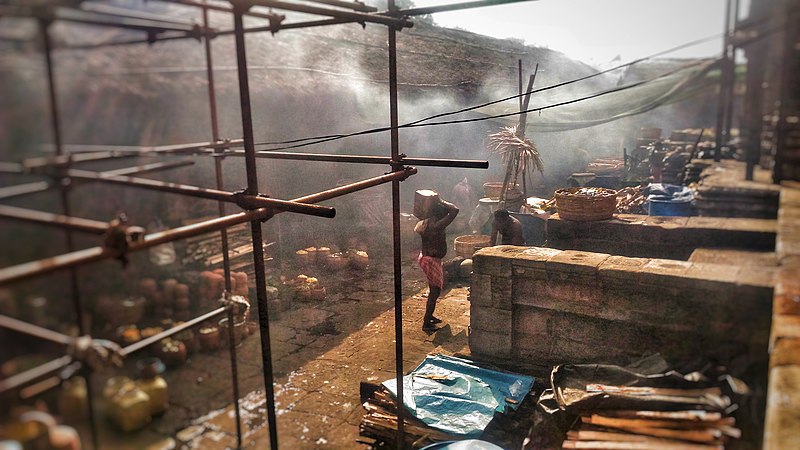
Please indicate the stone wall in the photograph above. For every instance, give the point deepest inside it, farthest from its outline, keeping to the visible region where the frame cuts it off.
(542, 306)
(660, 237)
(783, 396)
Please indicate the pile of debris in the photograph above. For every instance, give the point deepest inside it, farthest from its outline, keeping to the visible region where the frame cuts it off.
(595, 406)
(631, 200)
(449, 399)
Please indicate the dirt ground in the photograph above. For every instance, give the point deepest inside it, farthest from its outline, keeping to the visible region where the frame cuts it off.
(321, 353)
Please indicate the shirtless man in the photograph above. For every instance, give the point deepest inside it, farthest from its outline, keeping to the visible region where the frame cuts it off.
(434, 248)
(508, 226)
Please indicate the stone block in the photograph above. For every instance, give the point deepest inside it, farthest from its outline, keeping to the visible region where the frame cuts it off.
(495, 260)
(758, 277)
(787, 293)
(784, 327)
(663, 272)
(704, 222)
(783, 409)
(572, 261)
(767, 226)
(715, 277)
(480, 291)
(502, 290)
(490, 319)
(489, 345)
(534, 257)
(580, 298)
(559, 230)
(621, 267)
(534, 321)
(785, 352)
(666, 223)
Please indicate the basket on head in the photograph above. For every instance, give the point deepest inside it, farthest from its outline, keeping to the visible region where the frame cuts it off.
(586, 204)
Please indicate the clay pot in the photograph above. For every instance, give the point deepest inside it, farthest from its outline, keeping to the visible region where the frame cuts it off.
(168, 289)
(322, 254)
(358, 259)
(209, 338)
(181, 290)
(242, 284)
(181, 303)
(239, 330)
(132, 309)
(337, 262)
(172, 351)
(318, 294)
(148, 288)
(189, 340)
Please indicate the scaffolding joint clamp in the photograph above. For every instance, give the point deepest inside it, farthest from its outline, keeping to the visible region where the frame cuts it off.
(96, 353)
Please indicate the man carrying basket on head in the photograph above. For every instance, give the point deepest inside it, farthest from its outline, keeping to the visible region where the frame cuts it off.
(438, 215)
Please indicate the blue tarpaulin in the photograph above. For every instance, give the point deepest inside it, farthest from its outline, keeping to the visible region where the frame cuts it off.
(458, 397)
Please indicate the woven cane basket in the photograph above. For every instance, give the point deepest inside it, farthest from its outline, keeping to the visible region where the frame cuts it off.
(572, 205)
(468, 244)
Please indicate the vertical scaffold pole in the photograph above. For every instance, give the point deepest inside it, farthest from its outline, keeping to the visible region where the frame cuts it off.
(255, 226)
(55, 118)
(226, 262)
(398, 275)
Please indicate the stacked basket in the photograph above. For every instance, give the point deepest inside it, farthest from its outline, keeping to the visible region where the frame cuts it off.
(586, 204)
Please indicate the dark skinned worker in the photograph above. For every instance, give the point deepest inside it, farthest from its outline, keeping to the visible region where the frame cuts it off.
(508, 226)
(434, 248)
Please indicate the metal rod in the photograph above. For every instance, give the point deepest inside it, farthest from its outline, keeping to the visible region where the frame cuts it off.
(94, 254)
(723, 76)
(226, 260)
(21, 379)
(34, 330)
(57, 220)
(339, 14)
(220, 8)
(248, 201)
(11, 167)
(365, 159)
(255, 227)
(41, 186)
(77, 302)
(396, 244)
(355, 6)
(729, 95)
(451, 7)
(147, 342)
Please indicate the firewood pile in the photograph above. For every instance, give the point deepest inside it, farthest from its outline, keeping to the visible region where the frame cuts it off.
(648, 406)
(631, 200)
(378, 427)
(206, 250)
(698, 421)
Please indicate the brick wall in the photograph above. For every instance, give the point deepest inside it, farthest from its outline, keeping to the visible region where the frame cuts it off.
(783, 396)
(543, 306)
(663, 237)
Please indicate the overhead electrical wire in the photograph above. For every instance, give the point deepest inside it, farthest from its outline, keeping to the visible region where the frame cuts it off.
(302, 142)
(497, 116)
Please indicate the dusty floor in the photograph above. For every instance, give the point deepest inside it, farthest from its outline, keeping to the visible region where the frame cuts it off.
(321, 353)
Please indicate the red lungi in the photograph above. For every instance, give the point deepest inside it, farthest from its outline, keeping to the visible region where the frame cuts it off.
(432, 267)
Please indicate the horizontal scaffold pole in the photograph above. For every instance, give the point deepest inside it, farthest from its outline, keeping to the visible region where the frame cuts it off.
(94, 254)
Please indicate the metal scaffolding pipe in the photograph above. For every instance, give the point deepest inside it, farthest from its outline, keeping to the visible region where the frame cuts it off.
(246, 201)
(450, 7)
(41, 186)
(355, 6)
(29, 376)
(94, 254)
(255, 225)
(339, 14)
(396, 244)
(29, 329)
(364, 159)
(144, 343)
(57, 220)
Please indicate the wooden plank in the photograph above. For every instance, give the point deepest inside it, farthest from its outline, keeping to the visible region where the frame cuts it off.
(710, 436)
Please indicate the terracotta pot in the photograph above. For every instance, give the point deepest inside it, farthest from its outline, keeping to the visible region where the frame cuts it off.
(132, 309)
(337, 262)
(318, 294)
(172, 351)
(168, 289)
(322, 254)
(239, 330)
(181, 303)
(209, 337)
(181, 290)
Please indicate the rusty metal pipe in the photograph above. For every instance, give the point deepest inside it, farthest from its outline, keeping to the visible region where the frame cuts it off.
(339, 14)
(246, 201)
(144, 343)
(29, 329)
(34, 374)
(355, 6)
(365, 159)
(57, 220)
(89, 255)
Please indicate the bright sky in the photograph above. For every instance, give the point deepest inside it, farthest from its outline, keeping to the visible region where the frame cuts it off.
(596, 31)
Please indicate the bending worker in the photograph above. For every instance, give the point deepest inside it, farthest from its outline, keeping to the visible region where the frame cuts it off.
(434, 248)
(507, 225)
